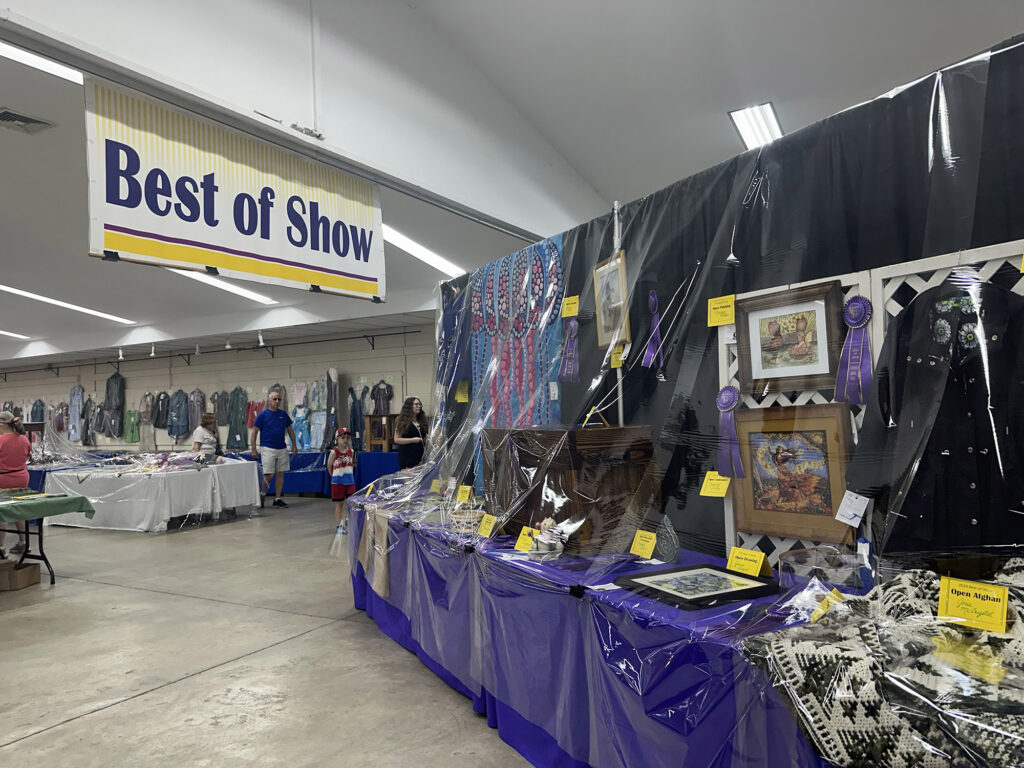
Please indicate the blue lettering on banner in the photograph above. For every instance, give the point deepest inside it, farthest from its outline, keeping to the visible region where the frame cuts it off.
(297, 231)
(191, 200)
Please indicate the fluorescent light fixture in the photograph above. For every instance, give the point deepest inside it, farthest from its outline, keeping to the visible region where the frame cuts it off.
(422, 253)
(56, 303)
(38, 62)
(757, 125)
(13, 335)
(224, 285)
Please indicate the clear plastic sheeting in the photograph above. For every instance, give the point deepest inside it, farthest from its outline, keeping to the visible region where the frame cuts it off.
(883, 680)
(809, 352)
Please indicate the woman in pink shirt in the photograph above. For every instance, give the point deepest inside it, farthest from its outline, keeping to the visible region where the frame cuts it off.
(14, 452)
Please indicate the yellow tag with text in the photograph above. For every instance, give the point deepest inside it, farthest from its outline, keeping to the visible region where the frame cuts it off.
(486, 525)
(973, 658)
(464, 493)
(570, 306)
(369, 490)
(749, 562)
(525, 541)
(617, 356)
(462, 392)
(722, 310)
(715, 485)
(973, 604)
(643, 544)
(832, 598)
(435, 485)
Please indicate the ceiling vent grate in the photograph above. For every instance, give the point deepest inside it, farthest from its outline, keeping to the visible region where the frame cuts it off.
(18, 122)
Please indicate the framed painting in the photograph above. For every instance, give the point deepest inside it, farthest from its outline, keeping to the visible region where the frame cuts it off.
(795, 460)
(697, 586)
(790, 340)
(610, 300)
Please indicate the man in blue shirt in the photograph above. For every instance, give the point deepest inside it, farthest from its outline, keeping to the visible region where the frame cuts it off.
(271, 426)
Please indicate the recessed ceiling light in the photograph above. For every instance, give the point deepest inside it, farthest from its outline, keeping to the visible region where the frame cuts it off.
(38, 62)
(758, 125)
(66, 305)
(421, 252)
(13, 335)
(224, 285)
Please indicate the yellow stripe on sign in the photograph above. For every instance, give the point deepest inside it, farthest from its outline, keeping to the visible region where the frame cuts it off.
(144, 246)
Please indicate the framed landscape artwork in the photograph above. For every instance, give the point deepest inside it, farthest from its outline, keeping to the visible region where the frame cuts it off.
(610, 300)
(795, 460)
(697, 586)
(790, 340)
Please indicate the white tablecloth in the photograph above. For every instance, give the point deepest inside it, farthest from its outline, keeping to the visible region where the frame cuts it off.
(146, 501)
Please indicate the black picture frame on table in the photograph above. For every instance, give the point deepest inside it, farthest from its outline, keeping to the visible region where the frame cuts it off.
(790, 359)
(694, 587)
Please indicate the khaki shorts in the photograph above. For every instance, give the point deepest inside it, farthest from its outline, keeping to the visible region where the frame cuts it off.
(275, 460)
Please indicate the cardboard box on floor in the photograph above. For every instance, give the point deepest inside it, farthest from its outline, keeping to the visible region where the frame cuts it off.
(12, 577)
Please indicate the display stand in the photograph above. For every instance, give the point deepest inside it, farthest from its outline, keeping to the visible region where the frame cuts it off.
(379, 431)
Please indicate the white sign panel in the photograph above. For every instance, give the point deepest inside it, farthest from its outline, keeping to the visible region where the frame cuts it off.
(169, 187)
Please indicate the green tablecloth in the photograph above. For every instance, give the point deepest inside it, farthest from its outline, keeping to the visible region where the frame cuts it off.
(30, 509)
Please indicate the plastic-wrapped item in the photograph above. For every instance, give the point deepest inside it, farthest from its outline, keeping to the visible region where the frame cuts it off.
(885, 680)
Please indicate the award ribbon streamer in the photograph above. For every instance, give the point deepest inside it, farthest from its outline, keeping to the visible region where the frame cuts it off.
(654, 341)
(729, 463)
(853, 378)
(569, 370)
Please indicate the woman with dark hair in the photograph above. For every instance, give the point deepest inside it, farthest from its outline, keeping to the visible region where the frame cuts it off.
(14, 452)
(410, 433)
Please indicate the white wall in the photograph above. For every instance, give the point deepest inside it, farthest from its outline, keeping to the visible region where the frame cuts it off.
(410, 360)
(392, 92)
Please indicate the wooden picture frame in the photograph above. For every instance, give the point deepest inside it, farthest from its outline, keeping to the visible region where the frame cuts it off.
(611, 300)
(790, 340)
(795, 461)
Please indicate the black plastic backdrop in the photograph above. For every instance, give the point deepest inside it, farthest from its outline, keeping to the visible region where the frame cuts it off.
(931, 168)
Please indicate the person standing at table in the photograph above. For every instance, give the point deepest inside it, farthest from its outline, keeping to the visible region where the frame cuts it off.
(14, 452)
(271, 426)
(205, 439)
(410, 433)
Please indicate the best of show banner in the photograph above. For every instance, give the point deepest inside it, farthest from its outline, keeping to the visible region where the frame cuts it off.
(169, 187)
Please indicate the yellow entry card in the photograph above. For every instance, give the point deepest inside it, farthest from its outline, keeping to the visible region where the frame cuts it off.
(525, 541)
(369, 490)
(749, 562)
(464, 493)
(722, 310)
(462, 392)
(570, 306)
(643, 544)
(435, 486)
(486, 525)
(617, 356)
(715, 485)
(973, 604)
(975, 659)
(832, 598)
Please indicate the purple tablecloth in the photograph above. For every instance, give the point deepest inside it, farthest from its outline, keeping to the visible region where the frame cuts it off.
(606, 678)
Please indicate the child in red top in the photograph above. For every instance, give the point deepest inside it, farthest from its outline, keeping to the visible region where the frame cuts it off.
(342, 463)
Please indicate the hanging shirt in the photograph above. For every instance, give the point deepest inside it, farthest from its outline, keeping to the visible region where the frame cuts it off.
(76, 399)
(221, 401)
(237, 404)
(342, 472)
(196, 407)
(356, 414)
(177, 414)
(252, 410)
(381, 395)
(146, 408)
(300, 426)
(161, 410)
(131, 426)
(88, 418)
(38, 411)
(298, 394)
(113, 406)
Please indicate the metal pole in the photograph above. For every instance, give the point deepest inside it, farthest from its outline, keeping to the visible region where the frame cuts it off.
(616, 247)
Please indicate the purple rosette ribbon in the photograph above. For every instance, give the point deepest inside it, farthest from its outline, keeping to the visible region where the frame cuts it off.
(654, 341)
(853, 378)
(569, 370)
(729, 463)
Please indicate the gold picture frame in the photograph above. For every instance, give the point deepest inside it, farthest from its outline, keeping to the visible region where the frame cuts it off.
(795, 461)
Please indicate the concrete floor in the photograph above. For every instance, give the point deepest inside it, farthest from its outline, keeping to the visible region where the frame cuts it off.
(234, 644)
